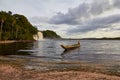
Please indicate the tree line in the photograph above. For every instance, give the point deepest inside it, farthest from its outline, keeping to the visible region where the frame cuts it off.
(50, 34)
(15, 27)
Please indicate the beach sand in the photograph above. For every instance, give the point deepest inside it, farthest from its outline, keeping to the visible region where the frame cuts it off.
(12, 72)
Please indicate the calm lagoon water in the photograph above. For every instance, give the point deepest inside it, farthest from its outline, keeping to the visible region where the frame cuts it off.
(39, 53)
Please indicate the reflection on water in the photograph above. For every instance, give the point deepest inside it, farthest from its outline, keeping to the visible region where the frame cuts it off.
(14, 48)
(91, 51)
(65, 52)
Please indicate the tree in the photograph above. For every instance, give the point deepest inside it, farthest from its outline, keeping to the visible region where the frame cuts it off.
(15, 27)
(2, 20)
(50, 34)
(9, 12)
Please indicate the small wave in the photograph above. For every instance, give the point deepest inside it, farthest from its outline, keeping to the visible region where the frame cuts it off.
(27, 51)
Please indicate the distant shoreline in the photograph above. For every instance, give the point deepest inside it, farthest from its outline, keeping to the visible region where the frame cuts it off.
(91, 39)
(13, 41)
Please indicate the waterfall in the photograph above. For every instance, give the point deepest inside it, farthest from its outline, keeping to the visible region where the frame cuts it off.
(38, 36)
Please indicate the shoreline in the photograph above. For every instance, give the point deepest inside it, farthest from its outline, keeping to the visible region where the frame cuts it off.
(13, 70)
(8, 41)
(13, 41)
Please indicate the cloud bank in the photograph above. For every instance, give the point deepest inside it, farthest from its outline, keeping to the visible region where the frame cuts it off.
(89, 16)
(85, 10)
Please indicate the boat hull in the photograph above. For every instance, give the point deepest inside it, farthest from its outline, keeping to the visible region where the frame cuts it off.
(69, 47)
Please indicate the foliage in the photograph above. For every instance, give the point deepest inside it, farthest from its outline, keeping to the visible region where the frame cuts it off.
(15, 27)
(50, 34)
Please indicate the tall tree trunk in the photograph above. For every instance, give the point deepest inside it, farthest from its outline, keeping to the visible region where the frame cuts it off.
(2, 21)
(12, 28)
(16, 31)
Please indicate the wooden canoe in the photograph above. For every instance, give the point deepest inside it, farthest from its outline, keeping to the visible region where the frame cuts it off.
(69, 47)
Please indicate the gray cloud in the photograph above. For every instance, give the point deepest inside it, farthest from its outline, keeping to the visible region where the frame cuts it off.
(38, 20)
(116, 3)
(72, 15)
(80, 17)
(85, 10)
(97, 23)
(98, 7)
(75, 15)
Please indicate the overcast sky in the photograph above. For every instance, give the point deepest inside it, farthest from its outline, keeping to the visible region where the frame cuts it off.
(70, 18)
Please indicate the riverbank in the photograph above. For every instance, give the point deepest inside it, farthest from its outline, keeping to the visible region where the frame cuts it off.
(12, 41)
(12, 70)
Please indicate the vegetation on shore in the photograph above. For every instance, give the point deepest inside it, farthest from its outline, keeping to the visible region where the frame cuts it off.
(15, 27)
(50, 34)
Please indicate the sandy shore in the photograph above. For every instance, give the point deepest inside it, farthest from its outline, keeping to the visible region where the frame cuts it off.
(10, 41)
(13, 41)
(11, 72)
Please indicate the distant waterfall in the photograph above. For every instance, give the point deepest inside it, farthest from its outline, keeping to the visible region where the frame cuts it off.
(38, 36)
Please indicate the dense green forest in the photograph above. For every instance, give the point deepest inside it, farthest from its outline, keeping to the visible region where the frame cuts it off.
(50, 34)
(15, 27)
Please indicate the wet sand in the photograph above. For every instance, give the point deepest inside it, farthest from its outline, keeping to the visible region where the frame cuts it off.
(15, 72)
